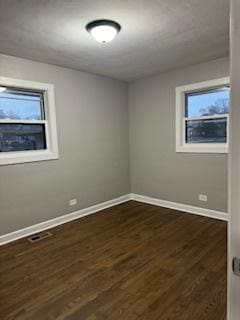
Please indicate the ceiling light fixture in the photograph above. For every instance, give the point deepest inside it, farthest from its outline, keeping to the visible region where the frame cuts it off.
(103, 30)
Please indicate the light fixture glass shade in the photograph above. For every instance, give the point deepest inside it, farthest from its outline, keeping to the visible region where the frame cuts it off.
(103, 33)
(103, 30)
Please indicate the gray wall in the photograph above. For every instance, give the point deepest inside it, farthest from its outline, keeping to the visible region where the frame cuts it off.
(92, 119)
(156, 169)
(93, 135)
(234, 161)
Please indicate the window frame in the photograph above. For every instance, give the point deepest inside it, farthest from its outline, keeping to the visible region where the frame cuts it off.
(181, 92)
(48, 105)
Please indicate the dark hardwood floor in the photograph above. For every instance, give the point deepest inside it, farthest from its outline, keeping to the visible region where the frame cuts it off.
(131, 262)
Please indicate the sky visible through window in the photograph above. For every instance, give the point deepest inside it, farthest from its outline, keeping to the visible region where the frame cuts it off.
(208, 103)
(20, 106)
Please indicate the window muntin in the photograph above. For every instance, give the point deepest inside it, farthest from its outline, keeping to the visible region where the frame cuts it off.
(202, 116)
(27, 121)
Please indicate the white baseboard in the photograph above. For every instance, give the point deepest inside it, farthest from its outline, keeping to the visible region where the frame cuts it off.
(181, 207)
(15, 235)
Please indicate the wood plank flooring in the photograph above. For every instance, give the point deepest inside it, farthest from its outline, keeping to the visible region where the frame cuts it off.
(130, 262)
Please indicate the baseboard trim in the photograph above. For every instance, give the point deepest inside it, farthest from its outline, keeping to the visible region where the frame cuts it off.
(18, 234)
(181, 207)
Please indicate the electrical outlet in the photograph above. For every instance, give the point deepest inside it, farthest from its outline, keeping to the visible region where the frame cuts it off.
(72, 202)
(202, 197)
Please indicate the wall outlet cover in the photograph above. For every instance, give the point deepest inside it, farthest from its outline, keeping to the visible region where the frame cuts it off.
(202, 197)
(72, 202)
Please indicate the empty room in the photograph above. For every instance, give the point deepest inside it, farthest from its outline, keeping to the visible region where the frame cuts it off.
(119, 160)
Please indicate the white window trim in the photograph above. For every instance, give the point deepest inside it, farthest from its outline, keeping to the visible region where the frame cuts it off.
(51, 152)
(181, 146)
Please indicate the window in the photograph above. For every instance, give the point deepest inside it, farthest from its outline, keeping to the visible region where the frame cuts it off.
(202, 117)
(27, 122)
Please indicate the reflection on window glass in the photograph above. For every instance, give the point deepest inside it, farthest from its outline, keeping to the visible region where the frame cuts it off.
(20, 105)
(206, 131)
(207, 103)
(20, 137)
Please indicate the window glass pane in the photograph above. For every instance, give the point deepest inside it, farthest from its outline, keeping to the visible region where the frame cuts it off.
(207, 103)
(20, 105)
(20, 137)
(206, 131)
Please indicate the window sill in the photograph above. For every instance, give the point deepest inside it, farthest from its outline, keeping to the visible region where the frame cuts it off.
(201, 149)
(27, 156)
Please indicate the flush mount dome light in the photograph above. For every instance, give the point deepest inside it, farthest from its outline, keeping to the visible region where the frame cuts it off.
(103, 30)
